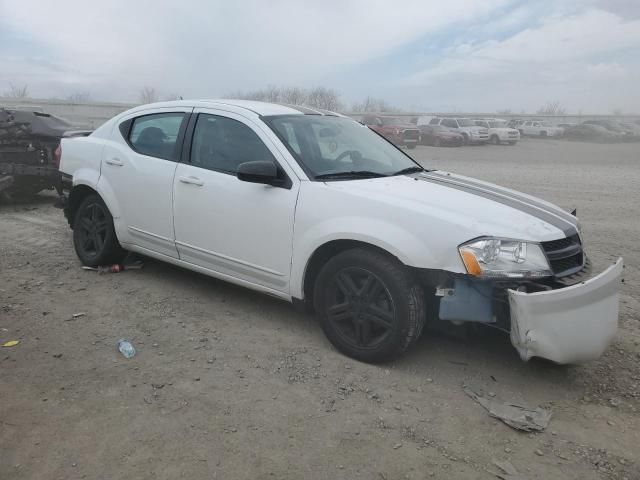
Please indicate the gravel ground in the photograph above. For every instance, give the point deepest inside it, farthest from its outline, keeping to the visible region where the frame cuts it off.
(232, 384)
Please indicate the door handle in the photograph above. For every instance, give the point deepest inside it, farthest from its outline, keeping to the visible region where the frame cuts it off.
(191, 181)
(116, 162)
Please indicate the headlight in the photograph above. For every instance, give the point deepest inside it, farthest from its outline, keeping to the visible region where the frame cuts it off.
(501, 258)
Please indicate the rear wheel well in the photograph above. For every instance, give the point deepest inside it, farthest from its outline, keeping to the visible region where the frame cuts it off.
(77, 195)
(322, 256)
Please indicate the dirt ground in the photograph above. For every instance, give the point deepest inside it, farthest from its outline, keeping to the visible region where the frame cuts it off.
(231, 384)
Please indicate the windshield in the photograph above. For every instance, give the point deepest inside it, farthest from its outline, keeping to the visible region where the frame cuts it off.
(390, 121)
(497, 124)
(327, 145)
(465, 122)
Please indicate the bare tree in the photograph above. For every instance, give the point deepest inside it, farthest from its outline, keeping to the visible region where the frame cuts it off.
(17, 91)
(79, 97)
(552, 108)
(319, 97)
(325, 98)
(294, 95)
(148, 95)
(372, 104)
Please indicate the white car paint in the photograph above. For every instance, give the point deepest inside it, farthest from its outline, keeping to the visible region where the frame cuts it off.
(540, 129)
(504, 134)
(263, 237)
(570, 325)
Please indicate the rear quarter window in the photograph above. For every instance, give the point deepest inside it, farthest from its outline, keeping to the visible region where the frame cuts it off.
(156, 135)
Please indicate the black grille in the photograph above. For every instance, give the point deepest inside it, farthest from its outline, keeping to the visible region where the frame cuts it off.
(565, 255)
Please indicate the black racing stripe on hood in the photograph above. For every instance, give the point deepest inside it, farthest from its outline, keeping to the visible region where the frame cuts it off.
(566, 216)
(503, 198)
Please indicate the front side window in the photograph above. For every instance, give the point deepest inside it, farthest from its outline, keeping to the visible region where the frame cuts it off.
(450, 123)
(328, 147)
(221, 144)
(156, 135)
(434, 121)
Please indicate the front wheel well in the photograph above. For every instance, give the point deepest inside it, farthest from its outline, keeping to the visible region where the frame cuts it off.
(322, 255)
(77, 195)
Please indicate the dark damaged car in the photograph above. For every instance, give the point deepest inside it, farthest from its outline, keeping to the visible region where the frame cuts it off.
(29, 156)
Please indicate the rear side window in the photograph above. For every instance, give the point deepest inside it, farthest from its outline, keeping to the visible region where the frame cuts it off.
(221, 144)
(156, 135)
(450, 123)
(434, 121)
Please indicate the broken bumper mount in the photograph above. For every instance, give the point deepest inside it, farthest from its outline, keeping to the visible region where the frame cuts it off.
(568, 325)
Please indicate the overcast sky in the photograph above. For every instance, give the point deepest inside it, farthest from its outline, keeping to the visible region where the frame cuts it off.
(443, 55)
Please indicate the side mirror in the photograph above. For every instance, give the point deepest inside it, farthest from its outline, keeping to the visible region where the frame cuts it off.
(264, 172)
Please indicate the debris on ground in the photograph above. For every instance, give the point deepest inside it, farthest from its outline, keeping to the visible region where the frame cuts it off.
(126, 348)
(516, 416)
(78, 315)
(11, 343)
(115, 268)
(509, 472)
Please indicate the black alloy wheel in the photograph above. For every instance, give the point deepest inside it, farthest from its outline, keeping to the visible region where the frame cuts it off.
(94, 236)
(92, 229)
(360, 308)
(370, 305)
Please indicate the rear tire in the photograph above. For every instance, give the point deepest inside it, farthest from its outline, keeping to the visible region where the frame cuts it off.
(369, 305)
(94, 236)
(411, 146)
(543, 134)
(436, 142)
(466, 138)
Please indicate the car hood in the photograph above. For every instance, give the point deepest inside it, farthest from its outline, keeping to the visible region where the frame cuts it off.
(472, 207)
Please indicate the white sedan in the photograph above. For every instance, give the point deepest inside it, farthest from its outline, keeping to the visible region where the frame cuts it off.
(315, 208)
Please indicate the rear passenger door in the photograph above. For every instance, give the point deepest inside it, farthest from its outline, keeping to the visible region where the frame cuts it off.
(242, 231)
(137, 169)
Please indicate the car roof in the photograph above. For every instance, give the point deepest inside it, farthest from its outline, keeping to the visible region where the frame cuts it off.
(256, 107)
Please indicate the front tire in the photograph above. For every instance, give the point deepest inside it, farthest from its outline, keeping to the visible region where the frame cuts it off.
(369, 305)
(466, 138)
(94, 236)
(495, 140)
(411, 146)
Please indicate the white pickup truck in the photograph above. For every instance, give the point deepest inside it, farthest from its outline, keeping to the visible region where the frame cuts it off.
(498, 131)
(540, 129)
(316, 209)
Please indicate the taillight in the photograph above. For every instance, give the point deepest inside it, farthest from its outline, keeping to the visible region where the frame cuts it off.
(57, 155)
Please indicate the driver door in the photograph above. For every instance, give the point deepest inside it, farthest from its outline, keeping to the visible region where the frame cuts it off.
(242, 231)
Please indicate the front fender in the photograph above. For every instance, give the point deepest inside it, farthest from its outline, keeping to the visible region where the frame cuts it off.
(385, 235)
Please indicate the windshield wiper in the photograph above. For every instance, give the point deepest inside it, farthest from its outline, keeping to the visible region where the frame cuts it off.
(404, 171)
(350, 174)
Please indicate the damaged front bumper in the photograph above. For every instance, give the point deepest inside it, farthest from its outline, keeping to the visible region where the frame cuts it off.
(568, 325)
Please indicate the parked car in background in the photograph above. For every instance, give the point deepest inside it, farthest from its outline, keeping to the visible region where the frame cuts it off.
(593, 133)
(28, 145)
(615, 126)
(397, 131)
(438, 136)
(472, 133)
(515, 123)
(338, 219)
(539, 128)
(498, 131)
